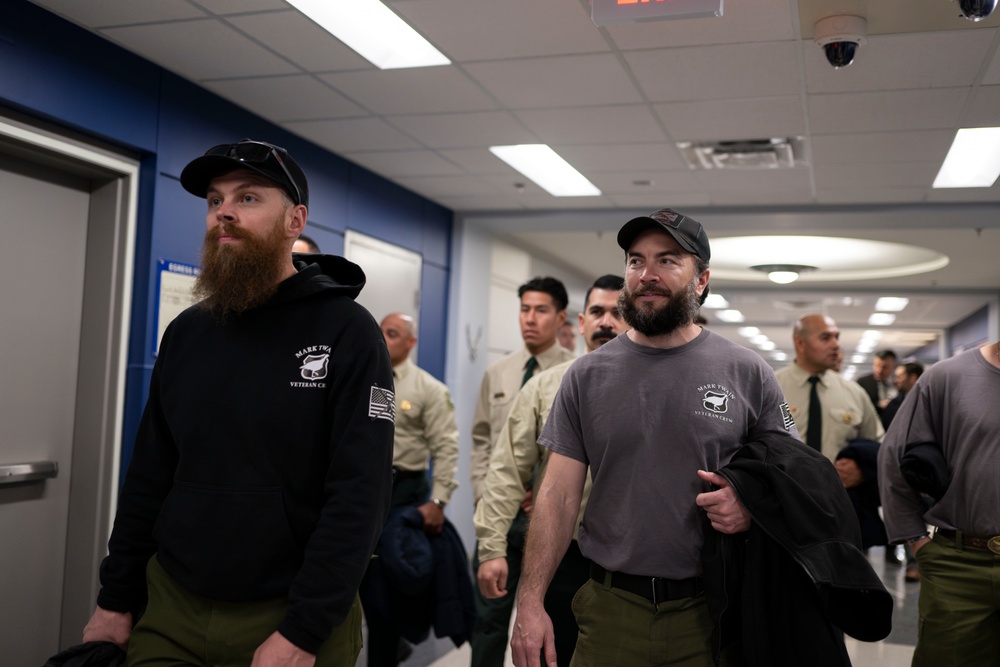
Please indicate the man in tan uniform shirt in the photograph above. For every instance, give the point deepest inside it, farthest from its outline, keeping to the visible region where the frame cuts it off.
(543, 310)
(514, 457)
(425, 430)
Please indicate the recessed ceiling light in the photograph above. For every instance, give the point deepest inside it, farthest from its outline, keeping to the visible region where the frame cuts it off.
(374, 31)
(758, 339)
(779, 356)
(748, 332)
(891, 304)
(767, 346)
(858, 359)
(547, 169)
(730, 316)
(973, 161)
(881, 319)
(715, 300)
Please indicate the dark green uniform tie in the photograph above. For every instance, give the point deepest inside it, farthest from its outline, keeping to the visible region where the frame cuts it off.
(814, 434)
(529, 370)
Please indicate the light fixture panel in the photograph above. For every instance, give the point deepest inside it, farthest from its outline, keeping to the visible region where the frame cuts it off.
(609, 12)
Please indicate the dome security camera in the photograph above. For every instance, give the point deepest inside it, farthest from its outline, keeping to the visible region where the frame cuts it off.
(977, 10)
(840, 37)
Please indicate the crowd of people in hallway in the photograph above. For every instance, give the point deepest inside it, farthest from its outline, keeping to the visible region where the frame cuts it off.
(664, 498)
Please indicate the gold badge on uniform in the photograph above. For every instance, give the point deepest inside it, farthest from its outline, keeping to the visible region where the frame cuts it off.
(405, 405)
(848, 418)
(448, 402)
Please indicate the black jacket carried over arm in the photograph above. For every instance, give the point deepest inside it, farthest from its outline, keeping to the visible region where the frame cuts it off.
(784, 588)
(262, 467)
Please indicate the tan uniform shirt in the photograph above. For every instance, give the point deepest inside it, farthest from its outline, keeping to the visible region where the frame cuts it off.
(848, 413)
(496, 394)
(514, 456)
(425, 427)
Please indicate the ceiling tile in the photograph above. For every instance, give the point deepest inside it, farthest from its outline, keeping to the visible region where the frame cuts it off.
(405, 163)
(616, 183)
(121, 12)
(470, 31)
(496, 202)
(269, 97)
(240, 6)
(968, 195)
(886, 111)
(869, 196)
(717, 72)
(301, 41)
(463, 130)
(449, 186)
(356, 134)
(200, 49)
(760, 198)
(654, 202)
(421, 90)
(992, 75)
(985, 108)
(756, 180)
(651, 157)
(590, 125)
(899, 62)
(585, 80)
(881, 147)
(720, 120)
(757, 21)
(867, 175)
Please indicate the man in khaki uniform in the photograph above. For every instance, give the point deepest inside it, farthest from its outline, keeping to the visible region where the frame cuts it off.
(425, 429)
(543, 310)
(514, 457)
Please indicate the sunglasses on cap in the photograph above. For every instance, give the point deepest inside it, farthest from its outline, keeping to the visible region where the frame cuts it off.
(257, 152)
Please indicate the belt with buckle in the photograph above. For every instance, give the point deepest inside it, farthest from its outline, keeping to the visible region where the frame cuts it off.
(654, 589)
(973, 542)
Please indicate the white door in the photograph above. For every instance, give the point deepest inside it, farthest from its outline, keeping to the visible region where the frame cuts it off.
(392, 273)
(43, 241)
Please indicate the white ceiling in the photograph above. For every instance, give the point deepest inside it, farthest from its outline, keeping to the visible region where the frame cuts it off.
(613, 101)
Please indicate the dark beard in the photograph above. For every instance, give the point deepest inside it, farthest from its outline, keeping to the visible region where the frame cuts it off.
(238, 277)
(648, 320)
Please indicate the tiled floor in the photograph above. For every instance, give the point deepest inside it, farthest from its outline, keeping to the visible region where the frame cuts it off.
(895, 651)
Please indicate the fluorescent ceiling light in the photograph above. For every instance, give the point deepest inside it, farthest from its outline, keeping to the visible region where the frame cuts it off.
(748, 332)
(779, 356)
(891, 304)
(715, 301)
(549, 171)
(730, 316)
(973, 161)
(881, 319)
(858, 359)
(767, 345)
(374, 31)
(758, 339)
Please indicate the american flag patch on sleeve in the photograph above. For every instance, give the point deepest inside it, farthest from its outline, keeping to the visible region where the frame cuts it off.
(382, 404)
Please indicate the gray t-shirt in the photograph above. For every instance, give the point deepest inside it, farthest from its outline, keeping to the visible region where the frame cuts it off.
(645, 420)
(955, 405)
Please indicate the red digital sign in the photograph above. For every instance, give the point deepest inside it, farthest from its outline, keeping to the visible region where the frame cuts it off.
(608, 12)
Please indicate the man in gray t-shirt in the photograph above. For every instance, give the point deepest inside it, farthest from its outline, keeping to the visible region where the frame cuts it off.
(651, 413)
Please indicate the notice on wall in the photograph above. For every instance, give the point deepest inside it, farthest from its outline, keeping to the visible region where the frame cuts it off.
(175, 285)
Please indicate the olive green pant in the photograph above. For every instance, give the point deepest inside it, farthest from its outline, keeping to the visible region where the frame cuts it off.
(183, 629)
(959, 606)
(621, 629)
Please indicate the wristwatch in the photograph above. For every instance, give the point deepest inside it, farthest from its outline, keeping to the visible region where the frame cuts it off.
(440, 503)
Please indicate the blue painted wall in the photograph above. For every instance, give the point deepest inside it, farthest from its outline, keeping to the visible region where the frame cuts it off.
(59, 73)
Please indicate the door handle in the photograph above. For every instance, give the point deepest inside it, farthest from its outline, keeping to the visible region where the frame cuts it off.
(27, 472)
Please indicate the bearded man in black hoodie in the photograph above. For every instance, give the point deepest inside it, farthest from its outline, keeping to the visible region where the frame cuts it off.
(261, 471)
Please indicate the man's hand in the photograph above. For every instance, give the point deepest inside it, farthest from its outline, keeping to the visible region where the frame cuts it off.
(433, 518)
(918, 544)
(850, 473)
(529, 502)
(492, 578)
(723, 509)
(109, 626)
(276, 651)
(532, 635)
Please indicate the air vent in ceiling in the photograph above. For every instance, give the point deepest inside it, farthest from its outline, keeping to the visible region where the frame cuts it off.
(775, 153)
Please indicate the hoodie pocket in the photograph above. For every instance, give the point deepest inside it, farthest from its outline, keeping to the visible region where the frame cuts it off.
(227, 543)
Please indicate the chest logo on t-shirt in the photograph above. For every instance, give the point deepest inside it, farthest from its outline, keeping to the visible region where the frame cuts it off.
(715, 400)
(314, 366)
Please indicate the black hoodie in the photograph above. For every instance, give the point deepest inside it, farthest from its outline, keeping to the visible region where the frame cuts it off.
(262, 465)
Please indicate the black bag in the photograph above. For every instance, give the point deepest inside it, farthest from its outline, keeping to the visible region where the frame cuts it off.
(90, 654)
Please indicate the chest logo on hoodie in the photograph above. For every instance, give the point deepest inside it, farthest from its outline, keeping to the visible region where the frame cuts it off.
(315, 363)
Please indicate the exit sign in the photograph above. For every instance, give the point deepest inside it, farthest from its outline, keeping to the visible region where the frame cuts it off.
(607, 12)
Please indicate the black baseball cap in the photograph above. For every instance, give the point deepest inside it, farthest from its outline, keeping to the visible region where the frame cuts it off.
(270, 161)
(688, 232)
